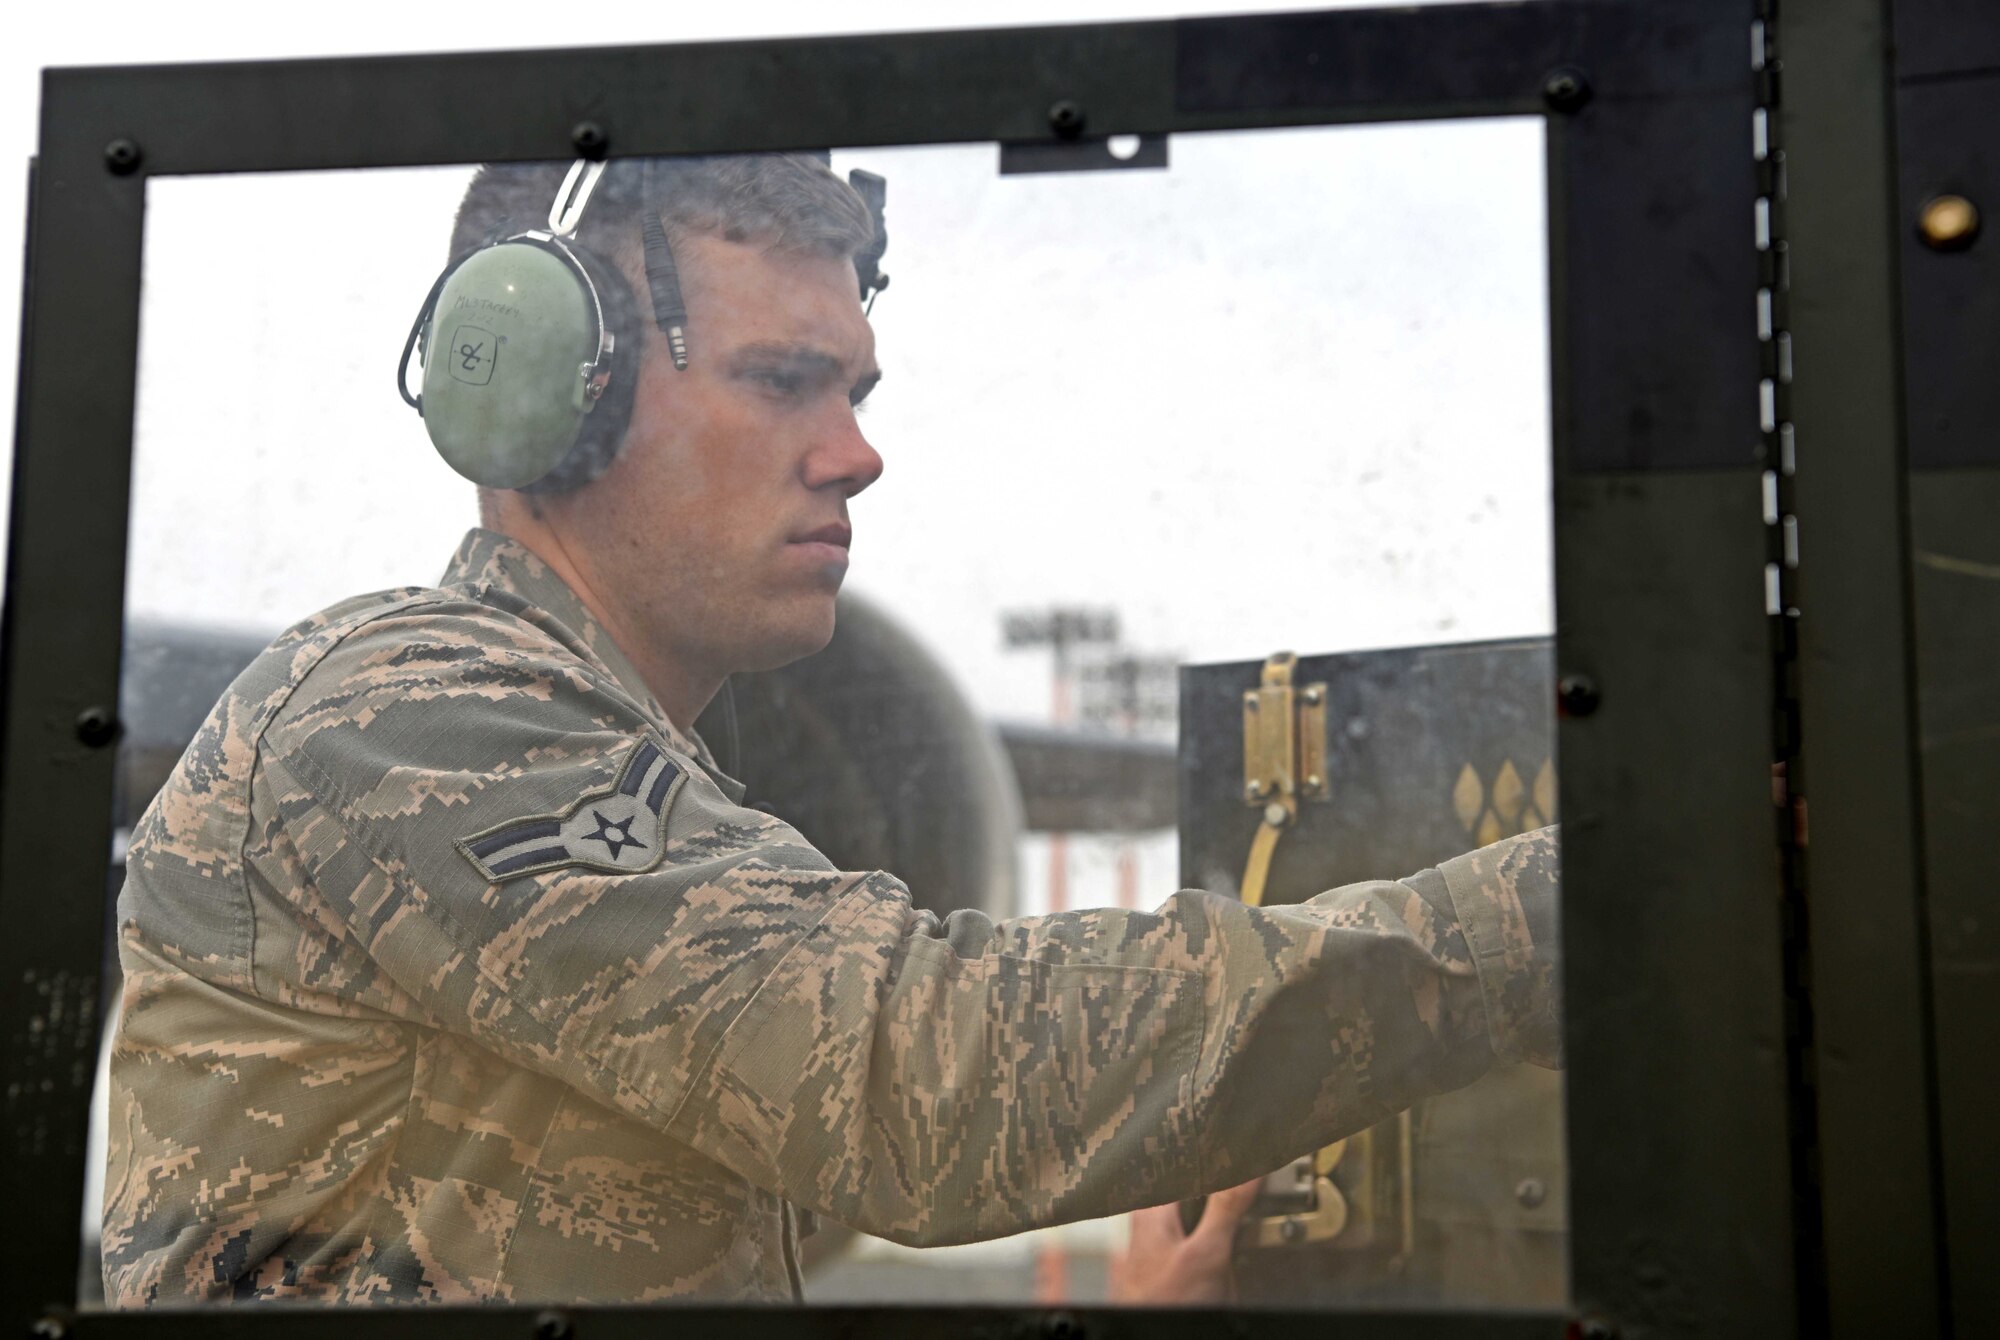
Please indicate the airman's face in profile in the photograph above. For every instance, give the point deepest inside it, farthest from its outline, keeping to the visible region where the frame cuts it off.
(726, 521)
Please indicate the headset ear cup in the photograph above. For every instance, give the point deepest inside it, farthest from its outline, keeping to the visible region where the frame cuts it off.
(602, 434)
(511, 330)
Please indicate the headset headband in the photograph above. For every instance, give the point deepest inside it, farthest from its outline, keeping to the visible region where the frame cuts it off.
(573, 196)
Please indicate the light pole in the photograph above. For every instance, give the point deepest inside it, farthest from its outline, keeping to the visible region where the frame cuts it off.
(1131, 694)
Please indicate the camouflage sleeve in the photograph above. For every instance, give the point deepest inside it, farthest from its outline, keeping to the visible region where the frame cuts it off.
(940, 1082)
(513, 845)
(1504, 897)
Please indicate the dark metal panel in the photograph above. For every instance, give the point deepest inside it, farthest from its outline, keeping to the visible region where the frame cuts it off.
(1402, 725)
(1680, 1200)
(1477, 60)
(1475, 56)
(1666, 379)
(1956, 547)
(1947, 145)
(828, 1323)
(1679, 1116)
(1868, 969)
(1951, 318)
(1944, 37)
(59, 665)
(786, 94)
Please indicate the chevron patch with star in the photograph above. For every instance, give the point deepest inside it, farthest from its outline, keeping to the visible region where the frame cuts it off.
(621, 828)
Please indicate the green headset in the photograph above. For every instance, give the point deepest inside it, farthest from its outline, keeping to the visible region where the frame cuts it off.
(530, 342)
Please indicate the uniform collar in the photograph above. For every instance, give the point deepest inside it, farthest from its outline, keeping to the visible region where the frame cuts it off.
(488, 559)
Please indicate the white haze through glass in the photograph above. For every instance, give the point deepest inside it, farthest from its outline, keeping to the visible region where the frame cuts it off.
(1291, 393)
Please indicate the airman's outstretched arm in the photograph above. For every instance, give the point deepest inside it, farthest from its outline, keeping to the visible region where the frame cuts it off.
(540, 868)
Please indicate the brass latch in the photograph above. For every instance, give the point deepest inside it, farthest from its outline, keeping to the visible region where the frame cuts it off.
(1284, 759)
(1284, 763)
(1303, 1203)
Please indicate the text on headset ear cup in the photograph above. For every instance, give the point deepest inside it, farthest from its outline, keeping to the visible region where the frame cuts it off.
(505, 392)
(602, 434)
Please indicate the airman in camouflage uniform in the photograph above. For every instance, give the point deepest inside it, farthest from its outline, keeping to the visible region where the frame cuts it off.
(455, 971)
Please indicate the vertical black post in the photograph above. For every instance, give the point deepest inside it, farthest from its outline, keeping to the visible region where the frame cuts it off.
(59, 651)
(1948, 231)
(1679, 1113)
(1856, 694)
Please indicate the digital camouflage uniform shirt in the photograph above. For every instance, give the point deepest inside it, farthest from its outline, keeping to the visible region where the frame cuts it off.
(455, 972)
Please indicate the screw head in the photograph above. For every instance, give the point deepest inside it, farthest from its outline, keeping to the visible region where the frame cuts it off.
(1577, 695)
(1292, 1230)
(1062, 1326)
(1313, 695)
(1948, 223)
(552, 1325)
(1594, 1327)
(589, 140)
(1066, 118)
(1275, 815)
(97, 726)
(122, 157)
(1315, 783)
(1531, 1192)
(1566, 90)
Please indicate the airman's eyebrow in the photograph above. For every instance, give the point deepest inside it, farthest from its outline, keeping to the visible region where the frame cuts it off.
(804, 362)
(801, 359)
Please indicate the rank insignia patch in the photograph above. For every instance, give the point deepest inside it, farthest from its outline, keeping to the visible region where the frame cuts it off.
(622, 828)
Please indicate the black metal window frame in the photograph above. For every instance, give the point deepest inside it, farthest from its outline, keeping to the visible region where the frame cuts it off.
(1686, 1206)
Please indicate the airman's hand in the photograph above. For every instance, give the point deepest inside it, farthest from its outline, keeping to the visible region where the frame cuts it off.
(1166, 1266)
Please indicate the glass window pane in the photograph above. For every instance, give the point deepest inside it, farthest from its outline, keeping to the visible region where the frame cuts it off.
(1136, 431)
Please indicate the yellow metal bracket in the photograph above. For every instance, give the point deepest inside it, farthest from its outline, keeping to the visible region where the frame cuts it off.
(1312, 1209)
(1284, 760)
